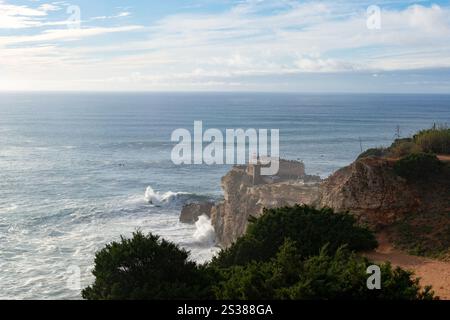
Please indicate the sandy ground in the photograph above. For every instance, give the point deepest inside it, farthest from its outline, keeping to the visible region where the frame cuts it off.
(444, 157)
(431, 272)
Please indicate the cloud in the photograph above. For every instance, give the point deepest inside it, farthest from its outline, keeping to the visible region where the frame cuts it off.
(433, 19)
(20, 16)
(253, 39)
(66, 34)
(46, 7)
(304, 38)
(307, 64)
(122, 14)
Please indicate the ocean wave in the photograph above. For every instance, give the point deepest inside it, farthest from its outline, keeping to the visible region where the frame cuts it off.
(158, 198)
(171, 198)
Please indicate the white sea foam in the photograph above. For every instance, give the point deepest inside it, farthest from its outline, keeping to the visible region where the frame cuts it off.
(55, 243)
(205, 233)
(71, 235)
(158, 198)
(10, 208)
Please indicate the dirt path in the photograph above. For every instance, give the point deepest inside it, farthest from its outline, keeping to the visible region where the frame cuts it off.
(432, 272)
(444, 158)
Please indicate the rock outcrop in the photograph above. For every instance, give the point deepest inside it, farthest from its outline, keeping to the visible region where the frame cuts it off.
(370, 189)
(191, 212)
(244, 198)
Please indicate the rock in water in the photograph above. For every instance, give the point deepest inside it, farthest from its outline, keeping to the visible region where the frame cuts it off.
(191, 212)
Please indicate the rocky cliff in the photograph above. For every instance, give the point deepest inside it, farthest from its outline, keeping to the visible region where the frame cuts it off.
(244, 199)
(371, 190)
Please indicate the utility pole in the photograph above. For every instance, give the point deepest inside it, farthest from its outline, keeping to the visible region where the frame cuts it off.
(361, 145)
(397, 133)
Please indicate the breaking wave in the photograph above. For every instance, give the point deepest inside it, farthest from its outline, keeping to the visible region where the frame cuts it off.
(205, 233)
(157, 198)
(171, 198)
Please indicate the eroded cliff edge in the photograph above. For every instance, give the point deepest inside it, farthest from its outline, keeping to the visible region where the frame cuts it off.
(371, 190)
(368, 188)
(246, 194)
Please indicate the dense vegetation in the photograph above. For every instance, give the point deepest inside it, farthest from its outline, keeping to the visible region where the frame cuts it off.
(341, 275)
(435, 140)
(404, 147)
(289, 253)
(145, 267)
(418, 166)
(309, 228)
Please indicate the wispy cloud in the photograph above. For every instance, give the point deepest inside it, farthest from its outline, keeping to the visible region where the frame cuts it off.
(122, 14)
(249, 40)
(65, 34)
(21, 16)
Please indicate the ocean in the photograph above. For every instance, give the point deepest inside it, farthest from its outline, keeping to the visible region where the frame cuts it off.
(78, 170)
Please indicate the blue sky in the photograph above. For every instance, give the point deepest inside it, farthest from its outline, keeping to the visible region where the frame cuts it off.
(220, 45)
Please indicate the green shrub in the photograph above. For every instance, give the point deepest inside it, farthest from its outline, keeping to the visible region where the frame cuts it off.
(418, 166)
(143, 268)
(310, 228)
(146, 267)
(403, 147)
(342, 275)
(249, 282)
(423, 234)
(435, 140)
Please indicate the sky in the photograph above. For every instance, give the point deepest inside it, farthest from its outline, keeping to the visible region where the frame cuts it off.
(393, 46)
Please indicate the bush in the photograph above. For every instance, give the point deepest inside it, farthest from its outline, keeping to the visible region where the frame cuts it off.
(342, 275)
(403, 147)
(418, 166)
(435, 140)
(310, 228)
(423, 234)
(249, 282)
(144, 268)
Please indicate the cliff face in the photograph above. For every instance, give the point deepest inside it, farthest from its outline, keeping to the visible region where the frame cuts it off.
(244, 199)
(370, 189)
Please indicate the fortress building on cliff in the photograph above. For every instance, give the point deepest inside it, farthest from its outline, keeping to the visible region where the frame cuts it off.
(289, 171)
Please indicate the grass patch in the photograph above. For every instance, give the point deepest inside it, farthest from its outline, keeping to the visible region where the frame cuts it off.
(426, 235)
(434, 141)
